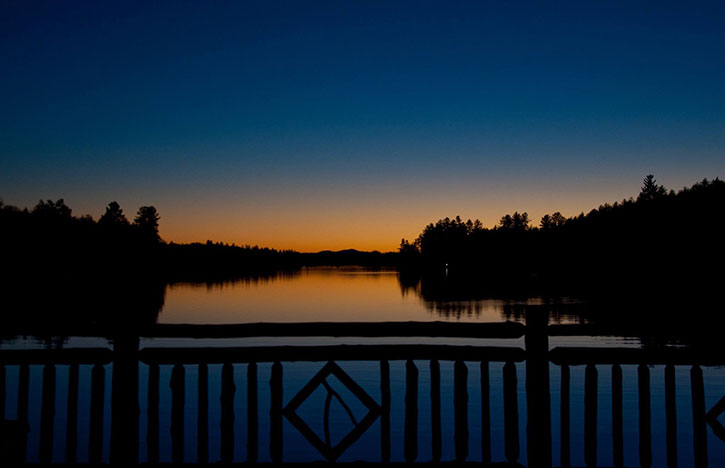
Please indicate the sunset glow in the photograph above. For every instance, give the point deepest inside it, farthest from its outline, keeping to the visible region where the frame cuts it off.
(351, 125)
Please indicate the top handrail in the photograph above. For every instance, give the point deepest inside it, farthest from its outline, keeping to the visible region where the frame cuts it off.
(299, 329)
(341, 329)
(503, 330)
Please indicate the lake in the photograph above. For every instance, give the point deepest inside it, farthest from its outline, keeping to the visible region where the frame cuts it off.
(337, 294)
(360, 295)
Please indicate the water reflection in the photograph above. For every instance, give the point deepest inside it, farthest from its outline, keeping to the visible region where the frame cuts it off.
(464, 298)
(344, 294)
(250, 280)
(335, 295)
(460, 386)
(565, 310)
(671, 317)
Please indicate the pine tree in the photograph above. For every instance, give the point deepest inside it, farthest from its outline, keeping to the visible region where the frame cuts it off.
(650, 189)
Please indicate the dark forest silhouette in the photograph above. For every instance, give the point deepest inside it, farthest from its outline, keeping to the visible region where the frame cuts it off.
(649, 250)
(49, 239)
(658, 242)
(62, 266)
(637, 265)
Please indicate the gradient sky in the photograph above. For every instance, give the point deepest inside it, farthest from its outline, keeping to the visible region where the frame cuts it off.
(313, 125)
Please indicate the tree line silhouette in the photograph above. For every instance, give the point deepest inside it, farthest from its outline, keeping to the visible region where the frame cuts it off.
(47, 241)
(661, 243)
(57, 266)
(55, 262)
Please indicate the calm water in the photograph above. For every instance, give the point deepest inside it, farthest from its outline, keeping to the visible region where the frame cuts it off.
(330, 294)
(350, 294)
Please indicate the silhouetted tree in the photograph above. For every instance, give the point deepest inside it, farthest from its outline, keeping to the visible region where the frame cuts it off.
(147, 221)
(506, 222)
(552, 221)
(406, 248)
(113, 216)
(558, 219)
(517, 221)
(546, 222)
(52, 209)
(650, 189)
(520, 221)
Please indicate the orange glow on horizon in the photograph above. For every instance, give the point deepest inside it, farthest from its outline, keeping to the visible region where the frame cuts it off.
(364, 227)
(366, 217)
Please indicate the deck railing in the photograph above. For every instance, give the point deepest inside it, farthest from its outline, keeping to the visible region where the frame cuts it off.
(126, 356)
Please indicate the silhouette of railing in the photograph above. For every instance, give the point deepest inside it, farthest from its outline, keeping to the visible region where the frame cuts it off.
(126, 356)
(96, 357)
(590, 357)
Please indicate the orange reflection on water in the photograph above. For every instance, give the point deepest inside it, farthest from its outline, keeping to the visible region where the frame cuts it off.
(311, 295)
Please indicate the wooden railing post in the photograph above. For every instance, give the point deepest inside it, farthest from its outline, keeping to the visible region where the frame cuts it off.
(23, 400)
(699, 426)
(671, 415)
(95, 436)
(47, 414)
(617, 417)
(435, 412)
(71, 428)
(124, 401)
(590, 415)
(202, 422)
(275, 413)
(385, 411)
(645, 418)
(510, 412)
(152, 434)
(564, 416)
(178, 398)
(538, 399)
(227, 413)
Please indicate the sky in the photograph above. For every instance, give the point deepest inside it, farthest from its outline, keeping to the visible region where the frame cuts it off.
(351, 124)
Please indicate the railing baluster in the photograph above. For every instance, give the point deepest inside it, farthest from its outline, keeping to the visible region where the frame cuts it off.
(565, 418)
(590, 415)
(617, 417)
(435, 413)
(699, 430)
(411, 412)
(671, 415)
(152, 436)
(71, 427)
(511, 412)
(275, 412)
(178, 396)
(227, 416)
(485, 414)
(95, 437)
(385, 411)
(23, 398)
(124, 401)
(460, 403)
(202, 420)
(645, 419)
(252, 412)
(538, 394)
(47, 414)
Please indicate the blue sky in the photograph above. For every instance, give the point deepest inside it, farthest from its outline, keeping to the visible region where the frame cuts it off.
(352, 124)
